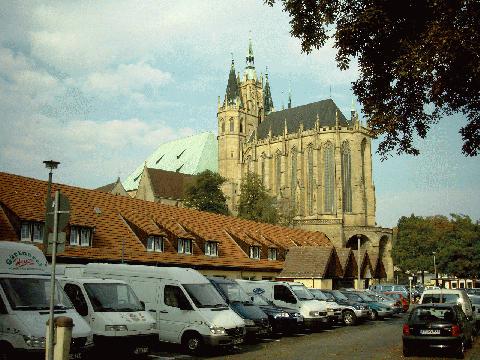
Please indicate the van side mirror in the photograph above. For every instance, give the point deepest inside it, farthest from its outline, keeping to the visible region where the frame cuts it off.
(143, 305)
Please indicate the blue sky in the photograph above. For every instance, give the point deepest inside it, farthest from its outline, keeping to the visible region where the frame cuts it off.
(99, 85)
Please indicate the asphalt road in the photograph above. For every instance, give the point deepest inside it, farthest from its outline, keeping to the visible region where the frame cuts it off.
(371, 340)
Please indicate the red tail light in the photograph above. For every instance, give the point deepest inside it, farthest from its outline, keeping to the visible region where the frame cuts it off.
(406, 330)
(455, 330)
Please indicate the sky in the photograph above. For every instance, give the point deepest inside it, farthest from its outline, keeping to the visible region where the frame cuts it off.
(99, 85)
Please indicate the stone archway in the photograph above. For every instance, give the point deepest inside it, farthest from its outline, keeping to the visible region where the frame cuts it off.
(365, 242)
(384, 252)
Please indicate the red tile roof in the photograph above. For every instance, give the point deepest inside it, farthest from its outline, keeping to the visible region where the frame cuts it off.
(122, 222)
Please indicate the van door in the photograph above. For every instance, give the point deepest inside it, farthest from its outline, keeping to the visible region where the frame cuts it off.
(283, 296)
(173, 320)
(147, 291)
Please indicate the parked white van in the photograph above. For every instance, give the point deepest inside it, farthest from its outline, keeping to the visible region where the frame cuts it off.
(118, 320)
(187, 307)
(293, 295)
(449, 296)
(25, 304)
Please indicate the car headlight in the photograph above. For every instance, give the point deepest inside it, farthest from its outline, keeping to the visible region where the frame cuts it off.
(116, 328)
(249, 322)
(315, 313)
(280, 315)
(35, 342)
(217, 330)
(295, 314)
(330, 309)
(358, 307)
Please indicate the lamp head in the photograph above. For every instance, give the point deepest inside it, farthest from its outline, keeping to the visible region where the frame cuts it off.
(51, 164)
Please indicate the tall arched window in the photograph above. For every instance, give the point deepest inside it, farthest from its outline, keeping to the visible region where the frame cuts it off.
(278, 172)
(310, 180)
(262, 170)
(329, 178)
(293, 179)
(231, 125)
(241, 125)
(347, 177)
(223, 127)
(364, 186)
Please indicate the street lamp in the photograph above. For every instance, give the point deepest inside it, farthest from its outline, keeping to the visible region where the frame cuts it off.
(435, 268)
(49, 164)
(359, 261)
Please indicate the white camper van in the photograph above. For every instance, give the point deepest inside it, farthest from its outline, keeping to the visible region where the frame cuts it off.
(292, 295)
(25, 304)
(187, 307)
(118, 320)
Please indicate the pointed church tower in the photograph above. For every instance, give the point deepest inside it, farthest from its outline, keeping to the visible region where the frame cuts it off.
(267, 96)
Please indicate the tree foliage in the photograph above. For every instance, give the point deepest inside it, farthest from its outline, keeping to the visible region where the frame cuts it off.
(418, 61)
(255, 203)
(206, 195)
(456, 242)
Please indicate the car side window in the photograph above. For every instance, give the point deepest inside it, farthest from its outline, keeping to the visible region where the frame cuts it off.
(282, 293)
(75, 295)
(3, 308)
(173, 296)
(431, 299)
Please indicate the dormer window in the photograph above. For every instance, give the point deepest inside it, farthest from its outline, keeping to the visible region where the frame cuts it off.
(32, 231)
(80, 236)
(155, 243)
(272, 254)
(184, 246)
(254, 252)
(211, 248)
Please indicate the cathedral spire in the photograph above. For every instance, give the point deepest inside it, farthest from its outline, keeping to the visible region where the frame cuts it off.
(267, 96)
(289, 106)
(232, 94)
(250, 73)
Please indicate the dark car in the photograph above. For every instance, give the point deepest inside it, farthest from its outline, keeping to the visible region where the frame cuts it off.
(256, 321)
(282, 319)
(437, 326)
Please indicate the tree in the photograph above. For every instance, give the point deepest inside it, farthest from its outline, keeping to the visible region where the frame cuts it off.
(418, 61)
(255, 203)
(206, 195)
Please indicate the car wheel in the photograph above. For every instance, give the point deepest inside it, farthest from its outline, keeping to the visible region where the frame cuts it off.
(461, 351)
(374, 315)
(349, 318)
(6, 352)
(406, 351)
(192, 342)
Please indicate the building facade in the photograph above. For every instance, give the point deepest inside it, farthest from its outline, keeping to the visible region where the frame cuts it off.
(315, 161)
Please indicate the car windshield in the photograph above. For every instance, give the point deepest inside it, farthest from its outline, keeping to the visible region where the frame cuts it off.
(33, 294)
(475, 300)
(353, 297)
(395, 296)
(338, 295)
(329, 296)
(106, 297)
(432, 314)
(234, 292)
(302, 292)
(259, 299)
(365, 297)
(318, 294)
(204, 295)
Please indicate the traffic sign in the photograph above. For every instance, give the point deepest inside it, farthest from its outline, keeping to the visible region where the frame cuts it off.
(63, 213)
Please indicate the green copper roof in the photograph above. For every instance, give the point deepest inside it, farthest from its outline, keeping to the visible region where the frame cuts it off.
(190, 155)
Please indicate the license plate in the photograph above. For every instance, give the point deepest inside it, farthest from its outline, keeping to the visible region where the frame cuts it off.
(238, 341)
(75, 356)
(140, 350)
(430, 332)
(330, 313)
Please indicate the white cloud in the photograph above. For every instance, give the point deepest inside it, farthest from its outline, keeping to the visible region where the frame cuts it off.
(126, 79)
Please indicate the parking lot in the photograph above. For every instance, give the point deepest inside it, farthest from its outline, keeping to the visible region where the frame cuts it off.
(371, 340)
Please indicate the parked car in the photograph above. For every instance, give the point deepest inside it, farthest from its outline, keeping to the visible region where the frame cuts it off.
(256, 321)
(394, 304)
(473, 291)
(437, 326)
(390, 287)
(476, 312)
(378, 311)
(334, 310)
(282, 319)
(353, 311)
(187, 307)
(449, 296)
(399, 296)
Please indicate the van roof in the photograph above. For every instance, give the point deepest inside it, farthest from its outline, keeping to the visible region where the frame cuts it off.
(182, 275)
(21, 258)
(92, 280)
(443, 291)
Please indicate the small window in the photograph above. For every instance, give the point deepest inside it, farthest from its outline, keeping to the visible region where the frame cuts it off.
(75, 295)
(211, 248)
(26, 232)
(80, 236)
(272, 254)
(32, 231)
(454, 285)
(231, 125)
(282, 293)
(173, 296)
(155, 243)
(241, 125)
(223, 128)
(255, 252)
(184, 246)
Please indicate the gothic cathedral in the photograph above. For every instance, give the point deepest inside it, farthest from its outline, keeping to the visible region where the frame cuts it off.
(310, 157)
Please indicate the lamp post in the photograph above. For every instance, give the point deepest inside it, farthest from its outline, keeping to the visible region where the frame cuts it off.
(49, 164)
(359, 261)
(435, 269)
